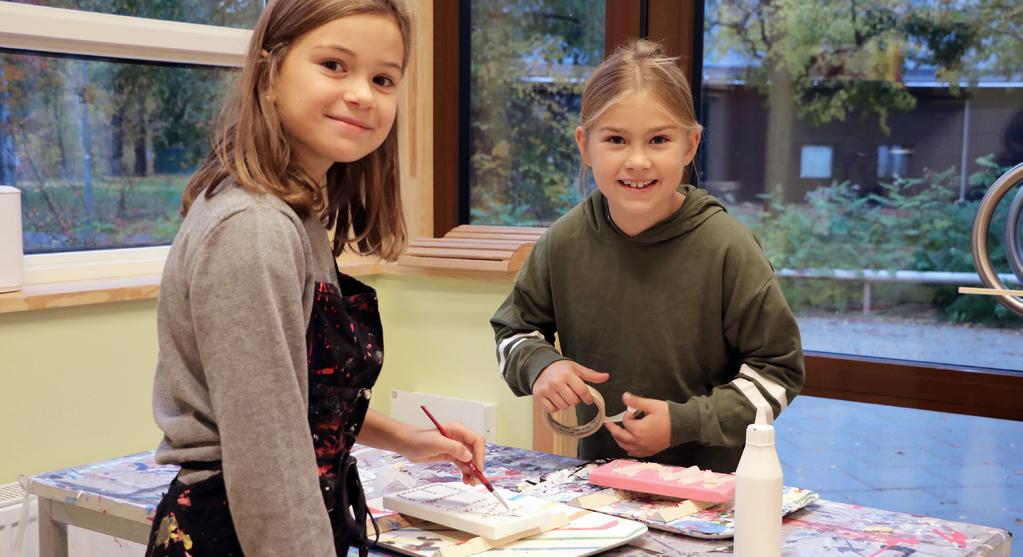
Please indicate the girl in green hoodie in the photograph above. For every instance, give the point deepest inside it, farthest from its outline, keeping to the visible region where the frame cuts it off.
(661, 301)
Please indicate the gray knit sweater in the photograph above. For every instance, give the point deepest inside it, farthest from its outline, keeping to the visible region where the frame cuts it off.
(232, 381)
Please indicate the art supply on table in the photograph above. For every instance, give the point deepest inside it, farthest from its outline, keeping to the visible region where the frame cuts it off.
(662, 479)
(476, 471)
(592, 426)
(758, 493)
(582, 533)
(471, 509)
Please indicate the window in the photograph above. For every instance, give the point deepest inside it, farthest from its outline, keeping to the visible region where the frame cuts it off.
(101, 150)
(230, 13)
(103, 117)
(815, 161)
(892, 161)
(888, 232)
(529, 62)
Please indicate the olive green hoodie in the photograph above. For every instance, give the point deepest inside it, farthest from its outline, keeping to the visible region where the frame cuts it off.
(688, 311)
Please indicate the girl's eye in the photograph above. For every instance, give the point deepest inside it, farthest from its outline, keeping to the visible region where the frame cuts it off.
(384, 81)
(615, 139)
(657, 140)
(333, 65)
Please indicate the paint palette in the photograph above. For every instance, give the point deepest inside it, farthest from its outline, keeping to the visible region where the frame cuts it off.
(662, 479)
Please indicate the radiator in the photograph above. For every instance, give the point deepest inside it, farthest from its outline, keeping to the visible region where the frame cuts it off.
(480, 417)
(81, 543)
(11, 496)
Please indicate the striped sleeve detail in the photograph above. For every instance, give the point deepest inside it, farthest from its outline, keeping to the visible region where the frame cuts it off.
(504, 349)
(773, 388)
(753, 394)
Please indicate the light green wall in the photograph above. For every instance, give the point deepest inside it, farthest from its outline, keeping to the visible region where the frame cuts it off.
(76, 382)
(437, 339)
(77, 385)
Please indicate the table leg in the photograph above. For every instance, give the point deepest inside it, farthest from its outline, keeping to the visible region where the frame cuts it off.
(52, 534)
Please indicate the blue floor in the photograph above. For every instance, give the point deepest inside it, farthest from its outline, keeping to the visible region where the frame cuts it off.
(956, 467)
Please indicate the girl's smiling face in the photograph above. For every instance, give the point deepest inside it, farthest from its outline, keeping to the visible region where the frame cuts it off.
(638, 152)
(336, 91)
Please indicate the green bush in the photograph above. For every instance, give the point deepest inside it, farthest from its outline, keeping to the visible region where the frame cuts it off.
(911, 223)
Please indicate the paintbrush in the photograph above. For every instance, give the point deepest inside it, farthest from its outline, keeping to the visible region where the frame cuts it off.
(472, 467)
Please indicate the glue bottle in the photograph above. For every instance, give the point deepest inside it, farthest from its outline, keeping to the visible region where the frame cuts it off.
(758, 493)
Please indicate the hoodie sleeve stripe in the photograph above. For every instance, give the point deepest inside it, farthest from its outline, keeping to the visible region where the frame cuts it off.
(753, 394)
(777, 391)
(510, 343)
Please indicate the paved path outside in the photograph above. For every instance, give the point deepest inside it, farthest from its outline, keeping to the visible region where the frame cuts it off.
(950, 466)
(914, 340)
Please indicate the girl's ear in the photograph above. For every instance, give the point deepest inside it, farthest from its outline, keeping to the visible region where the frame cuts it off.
(580, 140)
(693, 137)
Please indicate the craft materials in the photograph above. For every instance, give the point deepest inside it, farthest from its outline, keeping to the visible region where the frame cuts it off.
(592, 426)
(662, 479)
(471, 509)
(582, 533)
(476, 471)
(758, 493)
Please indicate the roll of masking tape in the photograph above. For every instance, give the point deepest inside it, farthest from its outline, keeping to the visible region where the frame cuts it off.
(590, 427)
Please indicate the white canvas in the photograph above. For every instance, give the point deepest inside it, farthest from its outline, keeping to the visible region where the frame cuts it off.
(472, 509)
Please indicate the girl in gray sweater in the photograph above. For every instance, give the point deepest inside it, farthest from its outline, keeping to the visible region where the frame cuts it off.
(268, 354)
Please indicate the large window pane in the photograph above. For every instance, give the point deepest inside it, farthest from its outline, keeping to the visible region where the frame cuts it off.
(529, 62)
(858, 136)
(227, 13)
(100, 149)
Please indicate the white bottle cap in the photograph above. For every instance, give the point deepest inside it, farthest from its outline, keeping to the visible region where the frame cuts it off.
(759, 435)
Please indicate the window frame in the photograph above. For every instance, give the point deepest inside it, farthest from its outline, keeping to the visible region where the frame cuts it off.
(678, 24)
(45, 30)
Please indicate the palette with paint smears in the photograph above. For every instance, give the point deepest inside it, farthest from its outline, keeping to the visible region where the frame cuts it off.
(670, 481)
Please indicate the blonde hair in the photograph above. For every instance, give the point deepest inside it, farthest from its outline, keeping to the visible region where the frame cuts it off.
(637, 67)
(363, 202)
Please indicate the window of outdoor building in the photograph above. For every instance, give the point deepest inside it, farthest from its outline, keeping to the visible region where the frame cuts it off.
(921, 107)
(529, 63)
(815, 161)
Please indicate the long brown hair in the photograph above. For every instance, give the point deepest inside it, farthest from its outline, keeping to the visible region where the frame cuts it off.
(250, 147)
(640, 65)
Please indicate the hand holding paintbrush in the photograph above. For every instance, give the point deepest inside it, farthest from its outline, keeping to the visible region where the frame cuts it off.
(472, 467)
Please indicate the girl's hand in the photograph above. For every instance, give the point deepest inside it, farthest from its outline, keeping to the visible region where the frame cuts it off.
(646, 436)
(562, 385)
(428, 445)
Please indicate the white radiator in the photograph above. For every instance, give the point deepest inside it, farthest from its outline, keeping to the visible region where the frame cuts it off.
(11, 496)
(480, 417)
(81, 543)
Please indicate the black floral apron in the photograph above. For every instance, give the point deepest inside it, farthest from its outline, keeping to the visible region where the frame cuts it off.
(345, 352)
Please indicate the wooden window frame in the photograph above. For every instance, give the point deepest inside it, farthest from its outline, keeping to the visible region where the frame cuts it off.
(678, 25)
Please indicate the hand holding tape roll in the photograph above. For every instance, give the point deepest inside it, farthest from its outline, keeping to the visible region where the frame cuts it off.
(590, 427)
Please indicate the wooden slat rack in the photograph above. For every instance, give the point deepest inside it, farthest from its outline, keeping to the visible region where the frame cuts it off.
(474, 248)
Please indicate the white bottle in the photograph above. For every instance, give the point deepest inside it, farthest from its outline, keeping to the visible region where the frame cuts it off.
(758, 493)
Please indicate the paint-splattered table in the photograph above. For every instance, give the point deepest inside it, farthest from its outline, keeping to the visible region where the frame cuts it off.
(118, 497)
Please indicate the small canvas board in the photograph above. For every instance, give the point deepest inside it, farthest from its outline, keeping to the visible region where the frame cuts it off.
(472, 509)
(662, 479)
(586, 533)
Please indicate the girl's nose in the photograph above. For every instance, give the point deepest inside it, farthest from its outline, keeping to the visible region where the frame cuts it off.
(637, 160)
(359, 93)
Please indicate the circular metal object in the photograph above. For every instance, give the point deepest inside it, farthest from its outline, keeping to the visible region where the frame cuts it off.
(981, 258)
(1013, 229)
